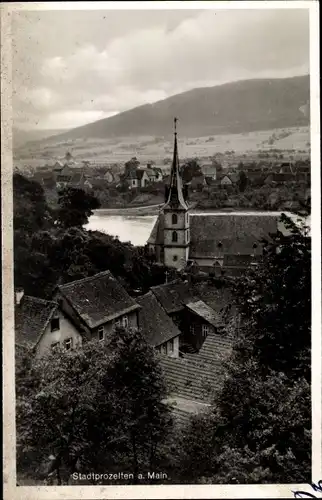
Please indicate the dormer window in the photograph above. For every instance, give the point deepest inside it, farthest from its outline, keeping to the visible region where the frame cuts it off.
(175, 236)
(174, 219)
(219, 245)
(54, 324)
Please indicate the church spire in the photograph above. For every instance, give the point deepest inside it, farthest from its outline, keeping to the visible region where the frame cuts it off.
(175, 197)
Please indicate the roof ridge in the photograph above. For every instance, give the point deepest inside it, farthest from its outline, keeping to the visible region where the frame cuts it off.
(88, 278)
(40, 300)
(173, 282)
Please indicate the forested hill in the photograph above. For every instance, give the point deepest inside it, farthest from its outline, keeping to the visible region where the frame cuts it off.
(236, 107)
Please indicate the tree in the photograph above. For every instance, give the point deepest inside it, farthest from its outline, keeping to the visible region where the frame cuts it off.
(242, 181)
(75, 207)
(98, 407)
(258, 428)
(31, 211)
(189, 170)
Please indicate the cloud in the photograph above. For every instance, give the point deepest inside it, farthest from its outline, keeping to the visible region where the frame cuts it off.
(152, 59)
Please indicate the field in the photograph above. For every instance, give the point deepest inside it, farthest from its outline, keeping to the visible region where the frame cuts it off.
(159, 149)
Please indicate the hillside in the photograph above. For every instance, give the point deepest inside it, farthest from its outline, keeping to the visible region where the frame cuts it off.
(232, 108)
(22, 137)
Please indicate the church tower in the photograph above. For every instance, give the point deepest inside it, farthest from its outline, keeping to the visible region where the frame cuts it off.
(176, 231)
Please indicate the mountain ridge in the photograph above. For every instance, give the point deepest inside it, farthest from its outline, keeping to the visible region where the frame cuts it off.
(234, 107)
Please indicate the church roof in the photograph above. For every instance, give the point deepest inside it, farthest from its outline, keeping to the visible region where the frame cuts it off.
(214, 234)
(237, 233)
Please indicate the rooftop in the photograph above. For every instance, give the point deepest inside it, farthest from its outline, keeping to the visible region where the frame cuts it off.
(98, 299)
(173, 296)
(201, 309)
(212, 235)
(32, 316)
(157, 327)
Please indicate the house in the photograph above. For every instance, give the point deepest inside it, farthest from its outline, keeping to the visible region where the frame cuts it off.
(157, 327)
(42, 325)
(200, 320)
(193, 379)
(154, 174)
(194, 318)
(209, 171)
(98, 304)
(229, 180)
(287, 168)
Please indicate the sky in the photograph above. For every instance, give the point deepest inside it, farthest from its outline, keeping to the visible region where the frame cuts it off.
(75, 67)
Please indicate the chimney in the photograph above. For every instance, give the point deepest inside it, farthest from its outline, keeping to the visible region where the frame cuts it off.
(19, 292)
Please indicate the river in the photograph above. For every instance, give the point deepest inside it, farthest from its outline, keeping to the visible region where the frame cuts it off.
(136, 228)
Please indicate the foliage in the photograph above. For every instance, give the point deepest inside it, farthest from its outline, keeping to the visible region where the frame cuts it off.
(242, 181)
(99, 408)
(75, 207)
(189, 170)
(31, 211)
(47, 254)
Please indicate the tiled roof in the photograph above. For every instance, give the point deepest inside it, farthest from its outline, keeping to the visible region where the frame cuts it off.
(32, 316)
(156, 234)
(238, 260)
(155, 324)
(200, 308)
(173, 296)
(98, 299)
(215, 349)
(235, 232)
(192, 379)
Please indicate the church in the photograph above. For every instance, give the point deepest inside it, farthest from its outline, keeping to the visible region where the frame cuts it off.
(224, 242)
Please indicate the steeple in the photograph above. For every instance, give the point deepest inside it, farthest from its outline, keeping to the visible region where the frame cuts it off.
(175, 197)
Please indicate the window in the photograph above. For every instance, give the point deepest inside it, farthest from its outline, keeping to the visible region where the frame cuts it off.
(68, 344)
(174, 219)
(117, 323)
(164, 348)
(192, 329)
(174, 236)
(170, 344)
(54, 345)
(175, 257)
(133, 182)
(101, 333)
(205, 330)
(125, 321)
(54, 324)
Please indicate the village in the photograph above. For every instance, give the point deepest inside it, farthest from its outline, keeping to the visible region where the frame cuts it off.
(269, 178)
(158, 250)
